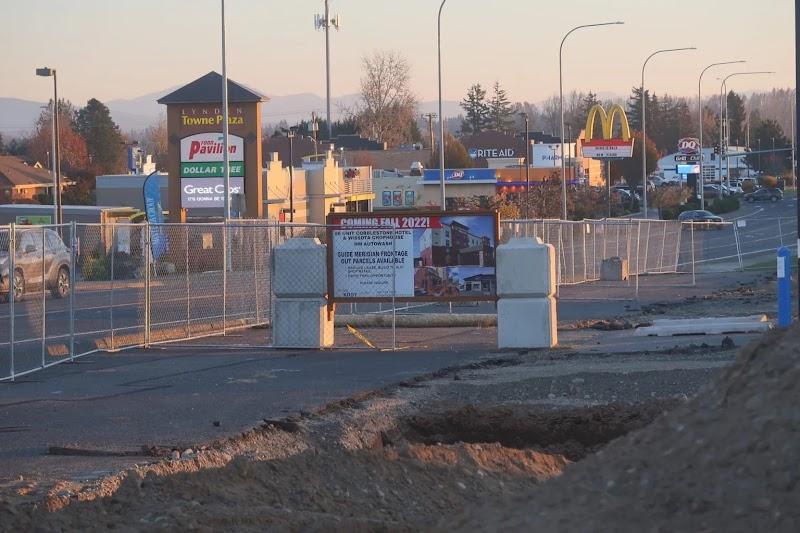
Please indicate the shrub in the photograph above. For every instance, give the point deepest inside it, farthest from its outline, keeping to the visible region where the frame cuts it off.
(748, 186)
(768, 181)
(96, 267)
(724, 205)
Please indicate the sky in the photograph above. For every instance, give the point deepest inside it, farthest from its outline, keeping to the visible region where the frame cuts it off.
(116, 49)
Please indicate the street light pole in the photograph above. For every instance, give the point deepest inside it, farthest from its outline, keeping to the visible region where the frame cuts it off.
(561, 106)
(226, 171)
(700, 125)
(723, 121)
(527, 166)
(56, 141)
(441, 115)
(644, 122)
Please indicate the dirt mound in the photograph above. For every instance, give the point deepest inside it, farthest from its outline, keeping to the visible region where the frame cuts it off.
(726, 461)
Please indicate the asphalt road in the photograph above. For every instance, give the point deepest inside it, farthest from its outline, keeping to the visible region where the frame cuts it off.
(185, 396)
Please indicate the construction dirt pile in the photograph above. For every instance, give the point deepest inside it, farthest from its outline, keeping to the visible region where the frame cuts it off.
(725, 461)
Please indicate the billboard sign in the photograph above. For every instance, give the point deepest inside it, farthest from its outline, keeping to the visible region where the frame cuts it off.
(490, 153)
(688, 169)
(34, 220)
(430, 256)
(689, 146)
(609, 147)
(546, 155)
(208, 192)
(202, 155)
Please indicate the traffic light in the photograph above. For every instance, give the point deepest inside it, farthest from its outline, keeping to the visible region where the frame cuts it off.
(716, 149)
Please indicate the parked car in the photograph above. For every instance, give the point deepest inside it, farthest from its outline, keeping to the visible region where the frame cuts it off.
(764, 195)
(705, 219)
(34, 267)
(712, 191)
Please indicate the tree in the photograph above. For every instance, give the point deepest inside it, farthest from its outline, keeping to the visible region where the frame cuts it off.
(2, 145)
(501, 116)
(630, 168)
(477, 110)
(455, 155)
(774, 162)
(103, 139)
(736, 119)
(153, 140)
(72, 147)
(387, 108)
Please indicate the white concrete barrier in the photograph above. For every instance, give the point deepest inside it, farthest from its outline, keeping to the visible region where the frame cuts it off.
(300, 310)
(526, 283)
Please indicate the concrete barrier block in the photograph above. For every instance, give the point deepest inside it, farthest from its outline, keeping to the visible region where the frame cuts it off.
(301, 323)
(614, 269)
(527, 323)
(526, 268)
(300, 269)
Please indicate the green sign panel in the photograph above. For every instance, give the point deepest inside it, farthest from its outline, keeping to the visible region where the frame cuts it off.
(210, 169)
(35, 220)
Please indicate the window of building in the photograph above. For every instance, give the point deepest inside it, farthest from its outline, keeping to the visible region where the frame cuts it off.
(409, 198)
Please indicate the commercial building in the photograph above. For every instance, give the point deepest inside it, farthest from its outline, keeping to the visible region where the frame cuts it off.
(670, 170)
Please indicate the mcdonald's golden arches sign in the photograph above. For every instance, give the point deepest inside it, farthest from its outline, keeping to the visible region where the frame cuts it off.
(608, 147)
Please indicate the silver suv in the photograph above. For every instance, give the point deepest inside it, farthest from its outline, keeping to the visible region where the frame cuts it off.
(34, 267)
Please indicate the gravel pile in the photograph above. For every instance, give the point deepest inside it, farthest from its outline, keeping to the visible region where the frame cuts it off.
(729, 460)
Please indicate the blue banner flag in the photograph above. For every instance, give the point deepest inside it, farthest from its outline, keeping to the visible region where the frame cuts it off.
(155, 215)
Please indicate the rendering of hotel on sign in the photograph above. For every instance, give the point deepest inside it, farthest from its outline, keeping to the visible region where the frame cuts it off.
(609, 147)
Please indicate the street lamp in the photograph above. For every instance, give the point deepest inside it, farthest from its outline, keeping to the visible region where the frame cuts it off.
(561, 105)
(723, 149)
(527, 166)
(700, 125)
(441, 116)
(644, 122)
(57, 210)
(226, 170)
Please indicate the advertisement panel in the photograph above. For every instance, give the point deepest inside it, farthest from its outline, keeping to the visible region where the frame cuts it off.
(546, 155)
(433, 256)
(461, 175)
(207, 192)
(202, 155)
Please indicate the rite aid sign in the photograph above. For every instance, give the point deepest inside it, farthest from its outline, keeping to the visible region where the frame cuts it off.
(207, 192)
(489, 153)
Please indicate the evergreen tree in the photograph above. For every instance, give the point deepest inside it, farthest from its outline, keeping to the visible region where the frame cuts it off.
(736, 119)
(104, 141)
(477, 110)
(2, 146)
(501, 113)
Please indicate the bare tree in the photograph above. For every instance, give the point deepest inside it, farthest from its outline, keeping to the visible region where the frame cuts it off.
(154, 141)
(387, 109)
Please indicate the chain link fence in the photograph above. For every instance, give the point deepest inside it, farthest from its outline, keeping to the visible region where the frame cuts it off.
(649, 246)
(75, 289)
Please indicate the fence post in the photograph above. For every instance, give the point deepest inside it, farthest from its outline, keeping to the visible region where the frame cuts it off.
(780, 230)
(111, 281)
(224, 273)
(256, 257)
(12, 252)
(147, 266)
(694, 276)
(738, 246)
(73, 245)
(188, 287)
(663, 245)
(647, 244)
(394, 289)
(638, 242)
(44, 298)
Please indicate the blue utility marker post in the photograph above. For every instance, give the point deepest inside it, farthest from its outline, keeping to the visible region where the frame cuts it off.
(784, 287)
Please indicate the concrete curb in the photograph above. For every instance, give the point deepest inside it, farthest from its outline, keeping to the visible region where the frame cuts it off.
(427, 320)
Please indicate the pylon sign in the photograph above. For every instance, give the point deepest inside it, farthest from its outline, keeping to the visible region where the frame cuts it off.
(609, 147)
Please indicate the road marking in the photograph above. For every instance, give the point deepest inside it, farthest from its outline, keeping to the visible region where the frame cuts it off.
(757, 211)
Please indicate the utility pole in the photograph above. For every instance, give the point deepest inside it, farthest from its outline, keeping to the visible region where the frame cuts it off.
(325, 22)
(797, 122)
(430, 117)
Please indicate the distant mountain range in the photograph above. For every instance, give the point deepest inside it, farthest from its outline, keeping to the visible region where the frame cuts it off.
(17, 116)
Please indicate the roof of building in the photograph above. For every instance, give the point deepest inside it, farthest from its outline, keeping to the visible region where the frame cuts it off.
(208, 89)
(15, 172)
